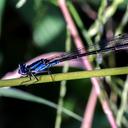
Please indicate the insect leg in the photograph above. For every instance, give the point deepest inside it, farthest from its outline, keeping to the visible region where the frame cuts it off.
(34, 76)
(50, 73)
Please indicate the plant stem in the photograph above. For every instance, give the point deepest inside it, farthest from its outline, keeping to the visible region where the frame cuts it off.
(64, 76)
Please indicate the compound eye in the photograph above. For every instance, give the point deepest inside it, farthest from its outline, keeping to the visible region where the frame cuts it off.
(22, 69)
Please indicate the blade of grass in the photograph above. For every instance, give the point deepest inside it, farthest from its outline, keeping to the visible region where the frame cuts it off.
(79, 23)
(109, 12)
(65, 76)
(18, 94)
(63, 85)
(123, 105)
(123, 22)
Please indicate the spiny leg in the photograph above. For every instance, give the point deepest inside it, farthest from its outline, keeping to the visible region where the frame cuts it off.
(50, 73)
(29, 77)
(31, 74)
(34, 76)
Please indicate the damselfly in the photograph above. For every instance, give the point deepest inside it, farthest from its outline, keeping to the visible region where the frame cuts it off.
(40, 66)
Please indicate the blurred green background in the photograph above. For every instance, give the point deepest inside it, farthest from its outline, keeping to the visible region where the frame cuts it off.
(36, 28)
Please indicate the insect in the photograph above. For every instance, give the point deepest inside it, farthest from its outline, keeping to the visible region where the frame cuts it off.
(40, 66)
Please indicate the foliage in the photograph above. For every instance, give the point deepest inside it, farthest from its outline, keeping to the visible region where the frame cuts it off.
(29, 28)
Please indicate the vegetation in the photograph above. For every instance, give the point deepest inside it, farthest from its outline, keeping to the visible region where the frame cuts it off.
(68, 97)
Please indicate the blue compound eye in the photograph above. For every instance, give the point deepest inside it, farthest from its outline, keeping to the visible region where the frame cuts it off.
(22, 69)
